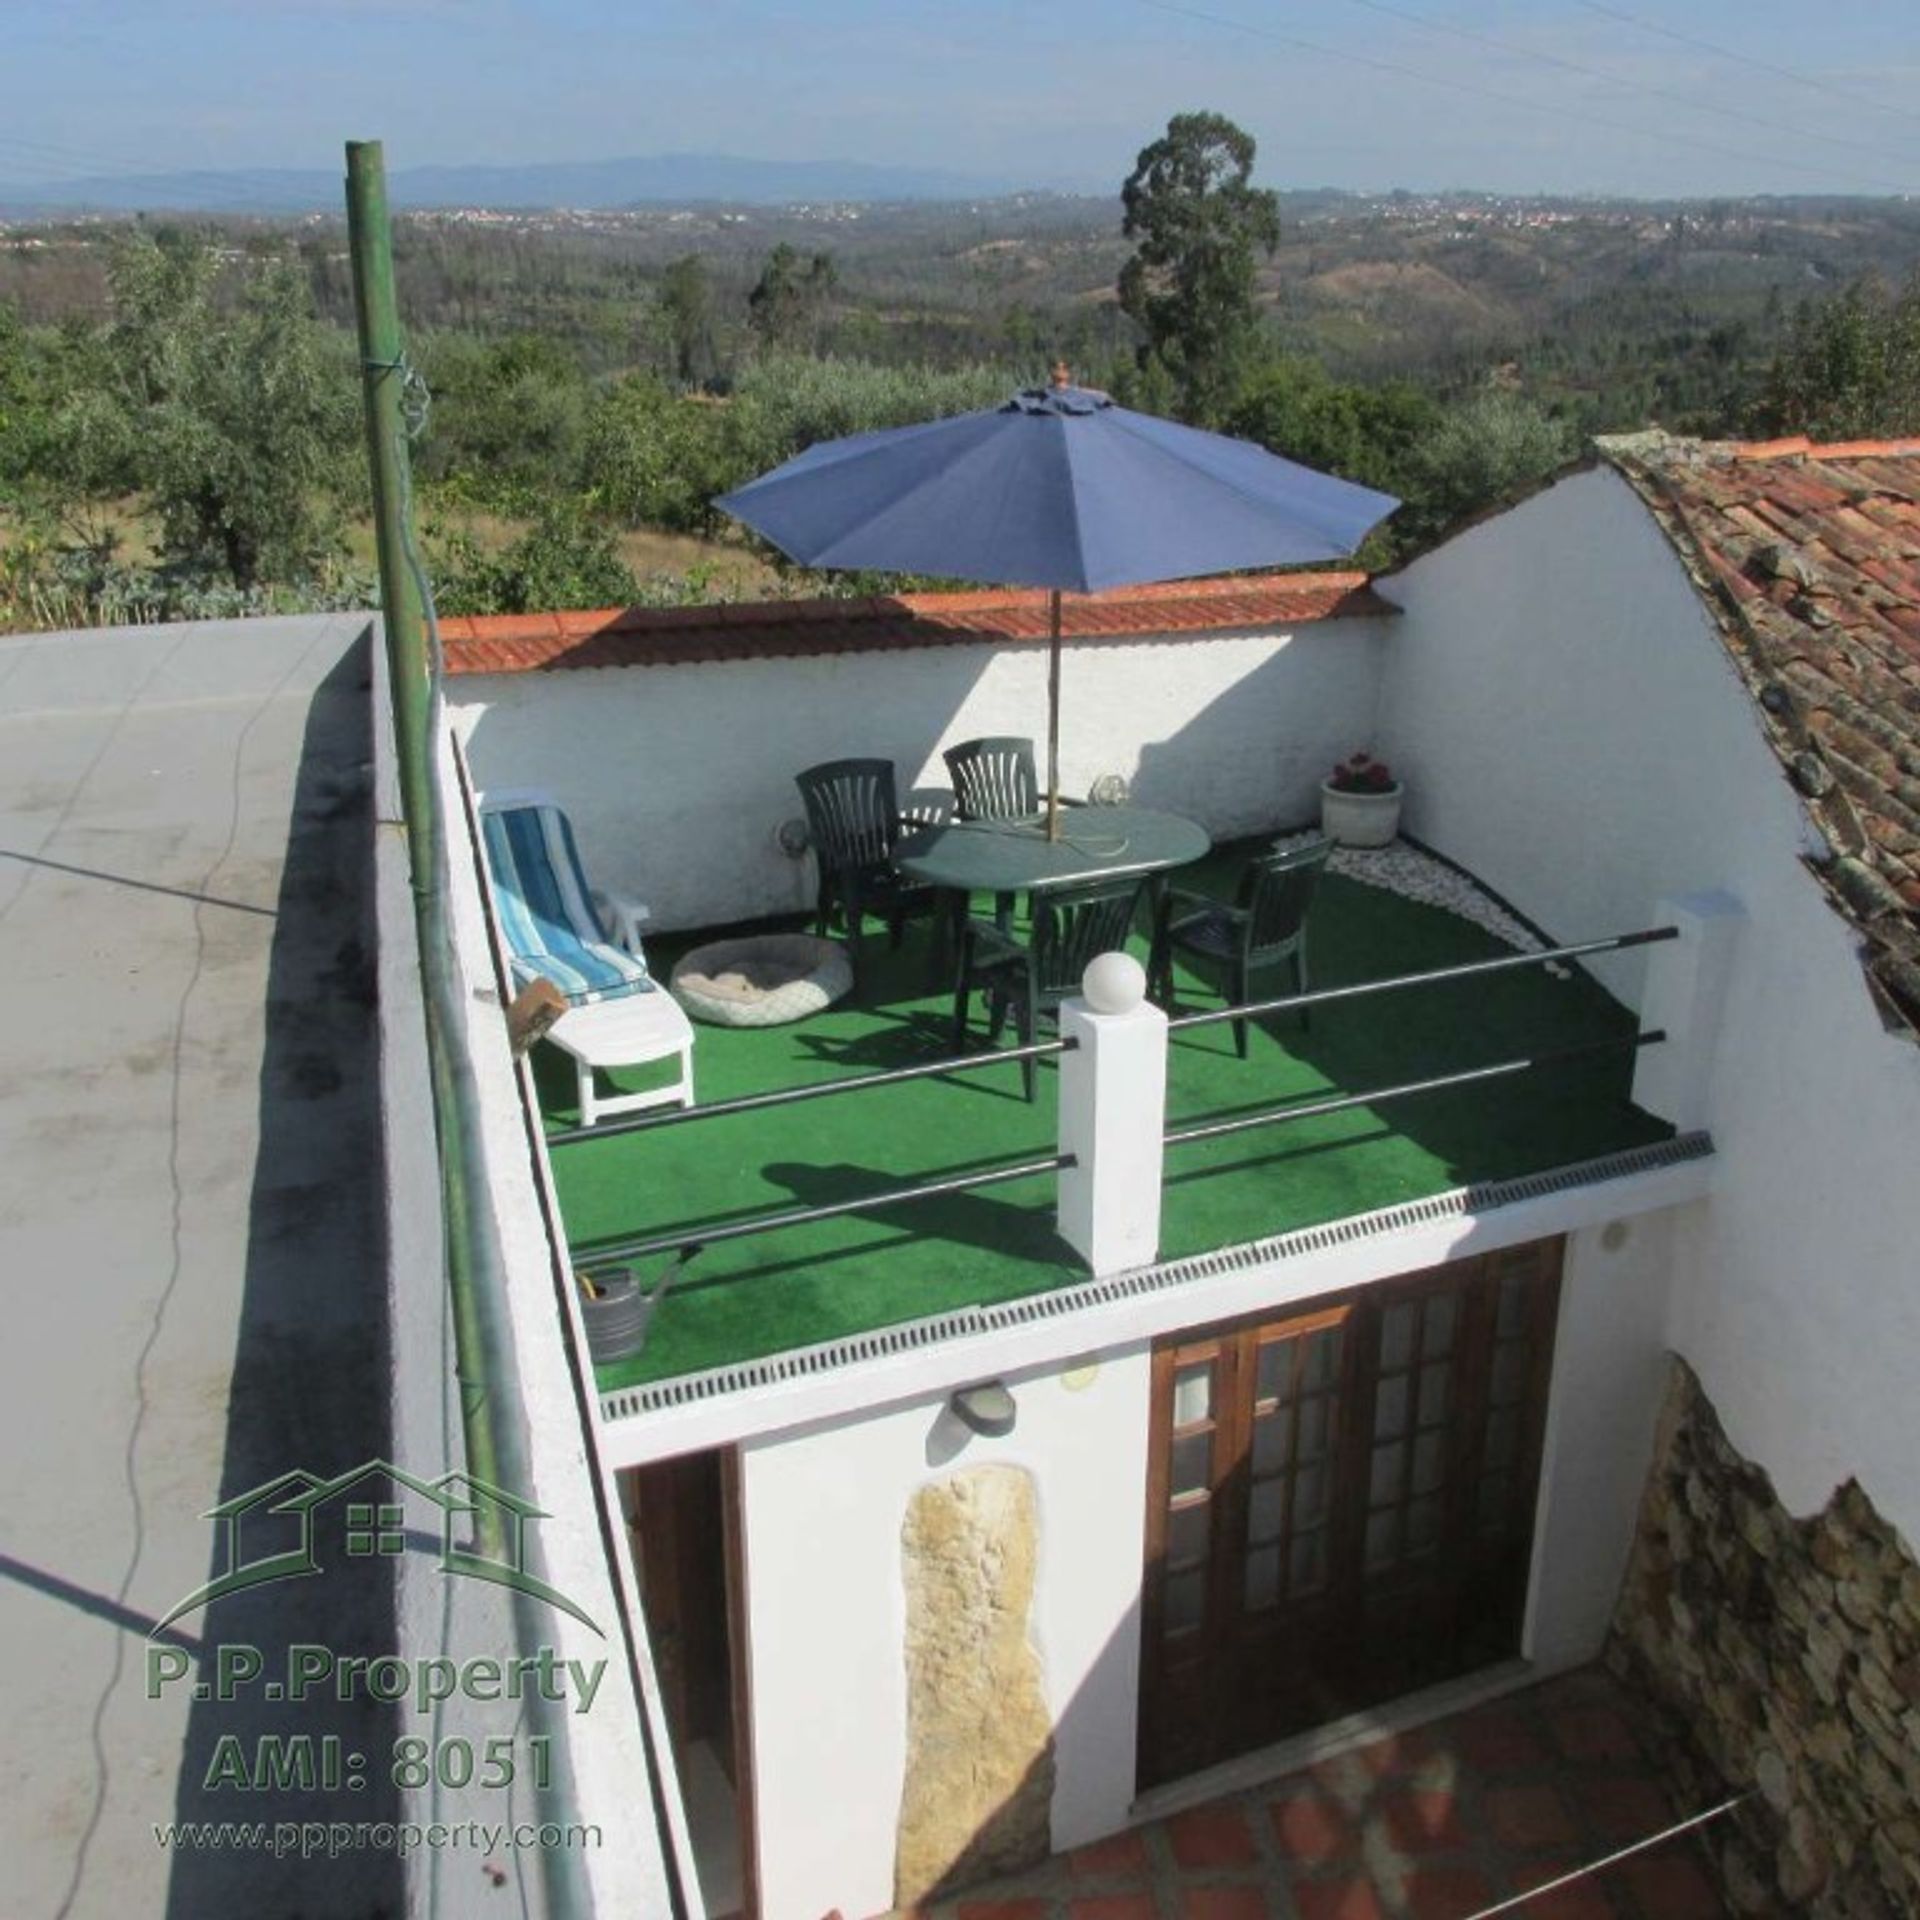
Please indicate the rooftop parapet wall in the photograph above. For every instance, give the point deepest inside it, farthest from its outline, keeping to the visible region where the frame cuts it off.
(788, 629)
(619, 1823)
(1224, 700)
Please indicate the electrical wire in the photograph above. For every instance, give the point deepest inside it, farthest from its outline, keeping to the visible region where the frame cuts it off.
(1554, 112)
(1746, 60)
(1620, 1853)
(1496, 45)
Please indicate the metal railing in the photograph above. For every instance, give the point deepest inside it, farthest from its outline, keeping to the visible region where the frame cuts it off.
(790, 1096)
(1378, 1096)
(691, 1240)
(687, 1244)
(1466, 970)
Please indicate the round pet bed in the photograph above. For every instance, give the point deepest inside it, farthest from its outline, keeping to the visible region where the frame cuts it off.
(764, 981)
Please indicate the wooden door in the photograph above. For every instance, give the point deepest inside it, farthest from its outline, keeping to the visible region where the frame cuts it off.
(1183, 1604)
(1340, 1504)
(1284, 1654)
(677, 1519)
(1456, 1413)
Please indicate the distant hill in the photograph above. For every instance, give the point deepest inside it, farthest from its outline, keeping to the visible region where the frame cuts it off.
(681, 178)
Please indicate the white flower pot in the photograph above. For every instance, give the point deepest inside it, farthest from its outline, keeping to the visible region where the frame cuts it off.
(1360, 819)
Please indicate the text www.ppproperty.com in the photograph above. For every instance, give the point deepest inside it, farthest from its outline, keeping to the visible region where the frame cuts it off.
(327, 1839)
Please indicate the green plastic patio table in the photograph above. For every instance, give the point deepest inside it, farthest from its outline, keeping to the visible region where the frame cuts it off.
(1006, 857)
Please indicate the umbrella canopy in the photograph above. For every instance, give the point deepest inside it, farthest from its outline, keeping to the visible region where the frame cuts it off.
(1058, 488)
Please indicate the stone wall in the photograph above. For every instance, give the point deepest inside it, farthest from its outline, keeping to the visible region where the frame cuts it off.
(1788, 1653)
(978, 1795)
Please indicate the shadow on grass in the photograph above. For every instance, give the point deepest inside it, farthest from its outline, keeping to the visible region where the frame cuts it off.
(1536, 1118)
(893, 1262)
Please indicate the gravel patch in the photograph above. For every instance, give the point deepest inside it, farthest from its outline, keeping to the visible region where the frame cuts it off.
(1414, 875)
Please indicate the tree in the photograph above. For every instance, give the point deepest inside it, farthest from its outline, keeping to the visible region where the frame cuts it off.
(28, 371)
(787, 402)
(685, 308)
(1485, 452)
(247, 458)
(1196, 224)
(239, 425)
(1369, 434)
(1851, 366)
(509, 415)
(656, 458)
(789, 300)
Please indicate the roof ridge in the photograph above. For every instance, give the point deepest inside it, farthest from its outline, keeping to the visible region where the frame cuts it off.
(1807, 559)
(1655, 447)
(1798, 446)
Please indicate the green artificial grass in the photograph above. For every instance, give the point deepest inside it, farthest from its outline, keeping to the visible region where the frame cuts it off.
(768, 1293)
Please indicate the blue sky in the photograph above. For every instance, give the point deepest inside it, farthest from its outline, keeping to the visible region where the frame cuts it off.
(1510, 95)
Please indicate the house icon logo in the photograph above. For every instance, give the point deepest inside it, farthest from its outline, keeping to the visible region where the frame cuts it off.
(373, 1525)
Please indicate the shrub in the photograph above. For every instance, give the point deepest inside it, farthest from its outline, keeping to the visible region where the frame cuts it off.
(1485, 452)
(656, 458)
(566, 559)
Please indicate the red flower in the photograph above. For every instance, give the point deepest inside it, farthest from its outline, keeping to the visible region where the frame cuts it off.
(1361, 773)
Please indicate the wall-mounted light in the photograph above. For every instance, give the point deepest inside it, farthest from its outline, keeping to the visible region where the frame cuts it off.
(986, 1409)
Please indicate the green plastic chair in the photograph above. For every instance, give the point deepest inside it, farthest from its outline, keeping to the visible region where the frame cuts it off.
(853, 819)
(1265, 928)
(993, 779)
(1070, 926)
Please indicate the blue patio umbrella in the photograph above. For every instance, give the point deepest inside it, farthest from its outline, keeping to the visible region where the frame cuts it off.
(1058, 488)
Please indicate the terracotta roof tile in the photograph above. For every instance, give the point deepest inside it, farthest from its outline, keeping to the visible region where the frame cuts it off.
(678, 636)
(1811, 555)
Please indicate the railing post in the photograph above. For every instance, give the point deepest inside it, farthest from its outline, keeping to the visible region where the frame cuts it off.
(1687, 981)
(1113, 1105)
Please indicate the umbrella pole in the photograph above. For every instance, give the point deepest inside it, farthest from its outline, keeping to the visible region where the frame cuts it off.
(1053, 718)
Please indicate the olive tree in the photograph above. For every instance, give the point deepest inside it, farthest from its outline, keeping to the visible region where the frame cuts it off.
(237, 420)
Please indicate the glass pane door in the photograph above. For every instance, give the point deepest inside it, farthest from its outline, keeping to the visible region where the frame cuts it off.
(1340, 1503)
(1296, 1413)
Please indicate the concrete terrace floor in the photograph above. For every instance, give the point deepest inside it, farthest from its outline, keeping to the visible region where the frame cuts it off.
(1438, 1824)
(190, 1242)
(766, 1294)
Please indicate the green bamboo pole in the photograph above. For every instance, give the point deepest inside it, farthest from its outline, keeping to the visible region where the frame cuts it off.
(410, 672)
(382, 379)
(475, 1277)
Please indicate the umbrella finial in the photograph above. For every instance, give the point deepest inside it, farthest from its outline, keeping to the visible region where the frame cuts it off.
(1062, 375)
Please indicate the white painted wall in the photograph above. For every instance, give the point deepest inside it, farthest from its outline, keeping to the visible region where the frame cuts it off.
(606, 1759)
(1574, 732)
(824, 1506)
(823, 1511)
(1609, 1372)
(676, 778)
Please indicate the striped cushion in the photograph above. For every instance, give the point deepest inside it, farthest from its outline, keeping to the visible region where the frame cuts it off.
(546, 914)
